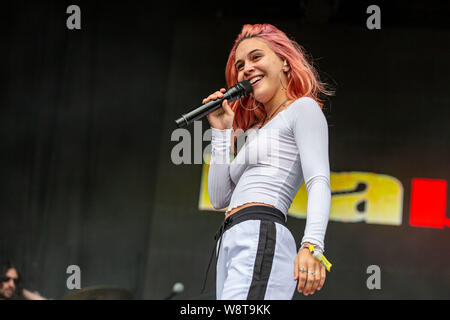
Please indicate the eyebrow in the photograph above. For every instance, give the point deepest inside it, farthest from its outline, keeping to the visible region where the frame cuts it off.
(247, 56)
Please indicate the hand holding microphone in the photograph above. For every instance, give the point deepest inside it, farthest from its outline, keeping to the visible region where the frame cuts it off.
(221, 118)
(216, 107)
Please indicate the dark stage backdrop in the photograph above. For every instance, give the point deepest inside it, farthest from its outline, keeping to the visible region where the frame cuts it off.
(80, 132)
(86, 121)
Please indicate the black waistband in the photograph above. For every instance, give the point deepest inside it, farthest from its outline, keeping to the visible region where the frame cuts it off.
(256, 212)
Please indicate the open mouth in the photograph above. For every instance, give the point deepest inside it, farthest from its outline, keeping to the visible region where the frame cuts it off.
(256, 80)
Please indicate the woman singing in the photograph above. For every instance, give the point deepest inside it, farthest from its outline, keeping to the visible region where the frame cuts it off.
(257, 254)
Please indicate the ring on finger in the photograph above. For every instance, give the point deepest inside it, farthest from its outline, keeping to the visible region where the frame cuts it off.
(302, 269)
(312, 272)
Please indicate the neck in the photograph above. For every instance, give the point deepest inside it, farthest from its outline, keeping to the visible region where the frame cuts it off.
(275, 102)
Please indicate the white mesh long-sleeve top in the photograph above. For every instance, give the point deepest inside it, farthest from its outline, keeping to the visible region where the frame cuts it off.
(273, 163)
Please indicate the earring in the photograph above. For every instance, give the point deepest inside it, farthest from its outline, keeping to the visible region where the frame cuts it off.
(257, 106)
(282, 85)
(284, 65)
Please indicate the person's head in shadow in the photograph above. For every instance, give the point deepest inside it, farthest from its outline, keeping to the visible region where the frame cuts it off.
(9, 281)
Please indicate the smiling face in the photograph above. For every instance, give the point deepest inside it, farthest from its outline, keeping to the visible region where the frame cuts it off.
(256, 60)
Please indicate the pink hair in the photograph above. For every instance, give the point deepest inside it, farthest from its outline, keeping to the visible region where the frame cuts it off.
(303, 77)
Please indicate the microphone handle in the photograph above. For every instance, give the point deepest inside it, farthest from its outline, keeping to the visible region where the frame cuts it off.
(231, 95)
(202, 111)
(170, 296)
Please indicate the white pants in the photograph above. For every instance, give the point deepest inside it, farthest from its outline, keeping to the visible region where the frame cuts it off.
(256, 262)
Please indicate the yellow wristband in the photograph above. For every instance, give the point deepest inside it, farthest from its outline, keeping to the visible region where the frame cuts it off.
(320, 257)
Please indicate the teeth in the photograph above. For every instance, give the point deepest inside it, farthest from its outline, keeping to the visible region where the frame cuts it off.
(252, 81)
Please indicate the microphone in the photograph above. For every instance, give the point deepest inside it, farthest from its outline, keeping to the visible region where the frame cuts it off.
(177, 288)
(239, 90)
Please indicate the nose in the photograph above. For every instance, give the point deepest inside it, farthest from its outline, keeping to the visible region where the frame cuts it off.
(248, 69)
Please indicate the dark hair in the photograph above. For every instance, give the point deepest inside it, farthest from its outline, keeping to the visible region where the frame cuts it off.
(7, 265)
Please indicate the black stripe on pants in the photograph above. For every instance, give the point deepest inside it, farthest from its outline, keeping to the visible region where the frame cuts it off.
(263, 261)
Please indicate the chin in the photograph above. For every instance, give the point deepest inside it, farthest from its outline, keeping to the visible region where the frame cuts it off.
(263, 95)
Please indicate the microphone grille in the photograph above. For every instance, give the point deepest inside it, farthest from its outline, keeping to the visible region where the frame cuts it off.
(178, 287)
(247, 87)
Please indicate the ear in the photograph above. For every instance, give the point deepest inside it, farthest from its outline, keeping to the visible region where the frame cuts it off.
(286, 68)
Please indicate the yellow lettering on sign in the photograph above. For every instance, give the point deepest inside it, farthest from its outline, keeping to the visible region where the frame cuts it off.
(356, 197)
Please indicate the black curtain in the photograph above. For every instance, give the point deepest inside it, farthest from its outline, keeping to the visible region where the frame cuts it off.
(80, 131)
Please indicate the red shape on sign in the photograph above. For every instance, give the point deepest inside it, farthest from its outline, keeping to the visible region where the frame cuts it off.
(428, 203)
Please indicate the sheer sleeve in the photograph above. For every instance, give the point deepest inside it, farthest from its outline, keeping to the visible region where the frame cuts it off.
(220, 185)
(311, 136)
